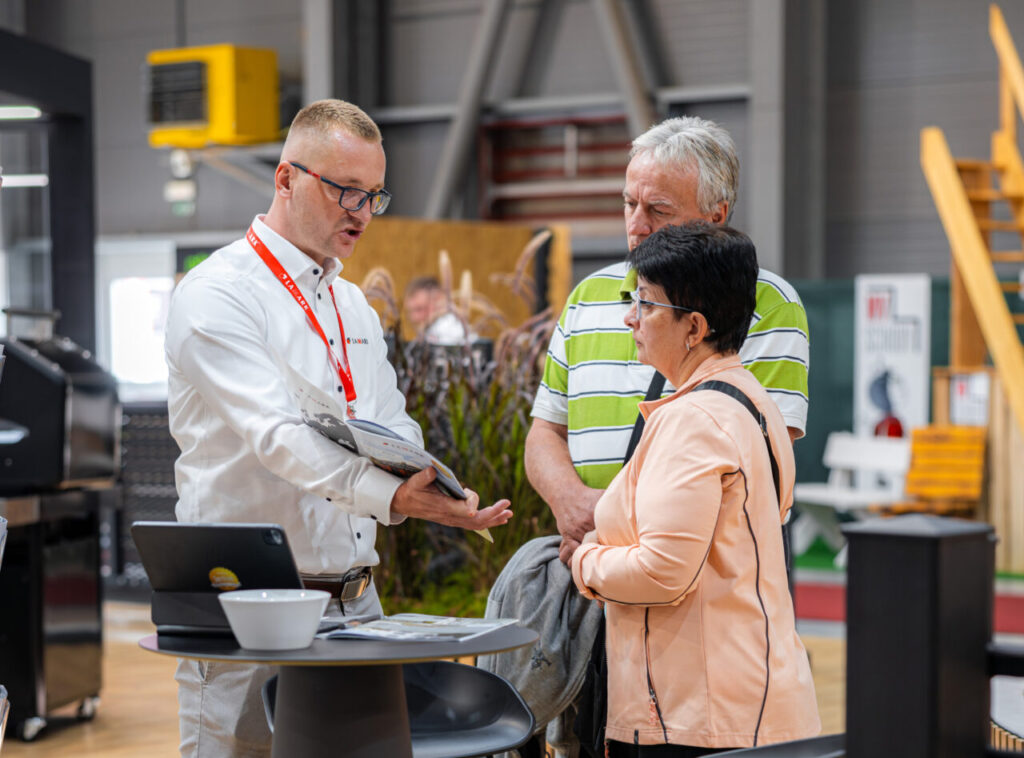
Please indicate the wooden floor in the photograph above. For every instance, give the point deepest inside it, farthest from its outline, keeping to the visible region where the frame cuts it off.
(138, 715)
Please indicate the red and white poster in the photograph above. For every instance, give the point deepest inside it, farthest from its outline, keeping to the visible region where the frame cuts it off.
(892, 360)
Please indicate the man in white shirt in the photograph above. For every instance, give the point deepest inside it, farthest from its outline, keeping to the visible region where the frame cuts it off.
(264, 306)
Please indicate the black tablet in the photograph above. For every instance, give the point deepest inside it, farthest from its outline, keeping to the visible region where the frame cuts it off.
(189, 565)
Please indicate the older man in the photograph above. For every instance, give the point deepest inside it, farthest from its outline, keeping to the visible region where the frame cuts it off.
(266, 307)
(683, 169)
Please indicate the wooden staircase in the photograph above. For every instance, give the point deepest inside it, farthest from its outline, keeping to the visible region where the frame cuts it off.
(981, 204)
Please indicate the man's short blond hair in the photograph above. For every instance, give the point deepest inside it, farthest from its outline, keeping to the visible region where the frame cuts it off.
(325, 116)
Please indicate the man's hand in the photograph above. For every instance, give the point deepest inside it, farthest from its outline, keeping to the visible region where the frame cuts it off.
(417, 497)
(576, 521)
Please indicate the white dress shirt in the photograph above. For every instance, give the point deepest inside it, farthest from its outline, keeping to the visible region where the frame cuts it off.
(246, 455)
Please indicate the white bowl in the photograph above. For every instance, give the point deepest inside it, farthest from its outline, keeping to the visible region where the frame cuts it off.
(274, 619)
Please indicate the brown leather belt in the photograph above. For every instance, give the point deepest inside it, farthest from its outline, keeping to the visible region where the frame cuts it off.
(347, 587)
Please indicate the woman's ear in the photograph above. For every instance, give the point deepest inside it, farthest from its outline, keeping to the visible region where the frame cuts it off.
(699, 328)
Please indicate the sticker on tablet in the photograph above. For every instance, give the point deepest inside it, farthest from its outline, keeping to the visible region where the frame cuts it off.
(224, 579)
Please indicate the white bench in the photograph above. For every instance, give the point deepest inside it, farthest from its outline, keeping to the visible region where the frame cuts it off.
(863, 471)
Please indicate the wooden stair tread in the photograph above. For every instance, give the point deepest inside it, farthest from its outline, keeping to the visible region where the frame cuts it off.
(1018, 318)
(1008, 256)
(992, 195)
(999, 225)
(1011, 286)
(977, 164)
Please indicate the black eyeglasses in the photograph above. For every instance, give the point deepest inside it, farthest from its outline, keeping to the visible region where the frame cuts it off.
(352, 198)
(640, 304)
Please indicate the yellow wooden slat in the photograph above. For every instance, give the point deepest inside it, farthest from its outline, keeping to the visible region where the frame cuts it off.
(999, 225)
(939, 472)
(951, 459)
(937, 478)
(948, 434)
(936, 492)
(961, 431)
(1009, 60)
(947, 465)
(967, 348)
(992, 195)
(966, 444)
(1008, 256)
(975, 164)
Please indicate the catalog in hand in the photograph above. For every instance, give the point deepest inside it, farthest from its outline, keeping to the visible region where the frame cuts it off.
(383, 447)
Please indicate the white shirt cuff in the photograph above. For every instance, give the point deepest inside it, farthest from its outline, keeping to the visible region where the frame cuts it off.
(374, 493)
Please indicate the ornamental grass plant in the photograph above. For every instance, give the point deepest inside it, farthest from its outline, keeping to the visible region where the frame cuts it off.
(473, 403)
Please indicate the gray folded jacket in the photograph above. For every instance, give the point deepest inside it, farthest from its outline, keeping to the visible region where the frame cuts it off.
(537, 588)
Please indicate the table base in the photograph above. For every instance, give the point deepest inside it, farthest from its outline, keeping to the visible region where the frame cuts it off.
(356, 711)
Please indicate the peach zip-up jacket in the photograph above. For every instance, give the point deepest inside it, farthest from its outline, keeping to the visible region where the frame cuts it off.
(701, 639)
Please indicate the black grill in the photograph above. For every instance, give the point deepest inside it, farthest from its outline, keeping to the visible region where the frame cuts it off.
(69, 407)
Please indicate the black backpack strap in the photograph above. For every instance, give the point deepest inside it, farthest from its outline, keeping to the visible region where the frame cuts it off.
(653, 393)
(737, 394)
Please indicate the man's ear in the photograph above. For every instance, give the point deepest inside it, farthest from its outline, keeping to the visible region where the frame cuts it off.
(283, 179)
(720, 214)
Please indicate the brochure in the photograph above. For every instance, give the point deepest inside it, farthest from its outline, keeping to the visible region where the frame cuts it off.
(383, 447)
(418, 627)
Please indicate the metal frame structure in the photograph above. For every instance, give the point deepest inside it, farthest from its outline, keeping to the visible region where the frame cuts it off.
(346, 56)
(61, 86)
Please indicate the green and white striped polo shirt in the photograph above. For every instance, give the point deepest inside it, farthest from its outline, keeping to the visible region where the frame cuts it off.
(593, 382)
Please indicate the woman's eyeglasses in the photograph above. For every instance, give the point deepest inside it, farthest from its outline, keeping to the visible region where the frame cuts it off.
(641, 304)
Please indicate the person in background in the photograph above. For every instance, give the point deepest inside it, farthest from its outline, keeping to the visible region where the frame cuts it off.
(680, 170)
(258, 310)
(687, 553)
(429, 310)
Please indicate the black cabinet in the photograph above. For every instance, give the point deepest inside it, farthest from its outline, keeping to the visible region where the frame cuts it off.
(51, 627)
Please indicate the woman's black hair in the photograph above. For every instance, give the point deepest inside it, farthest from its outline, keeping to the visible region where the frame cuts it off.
(710, 269)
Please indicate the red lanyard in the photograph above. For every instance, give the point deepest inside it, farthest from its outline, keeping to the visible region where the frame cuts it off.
(341, 365)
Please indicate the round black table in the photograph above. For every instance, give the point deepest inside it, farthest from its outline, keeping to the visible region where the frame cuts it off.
(340, 697)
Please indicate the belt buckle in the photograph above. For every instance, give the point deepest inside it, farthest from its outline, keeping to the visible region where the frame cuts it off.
(353, 588)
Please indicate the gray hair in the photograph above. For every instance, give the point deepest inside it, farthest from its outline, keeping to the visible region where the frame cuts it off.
(691, 142)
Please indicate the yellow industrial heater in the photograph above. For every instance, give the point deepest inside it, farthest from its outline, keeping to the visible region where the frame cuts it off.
(212, 95)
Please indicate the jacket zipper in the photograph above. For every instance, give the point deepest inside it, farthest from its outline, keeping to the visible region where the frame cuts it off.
(654, 704)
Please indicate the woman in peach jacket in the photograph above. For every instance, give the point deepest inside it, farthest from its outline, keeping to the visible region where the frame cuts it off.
(687, 553)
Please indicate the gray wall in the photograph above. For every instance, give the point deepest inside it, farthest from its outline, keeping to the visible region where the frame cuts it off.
(894, 67)
(862, 78)
(427, 42)
(116, 35)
